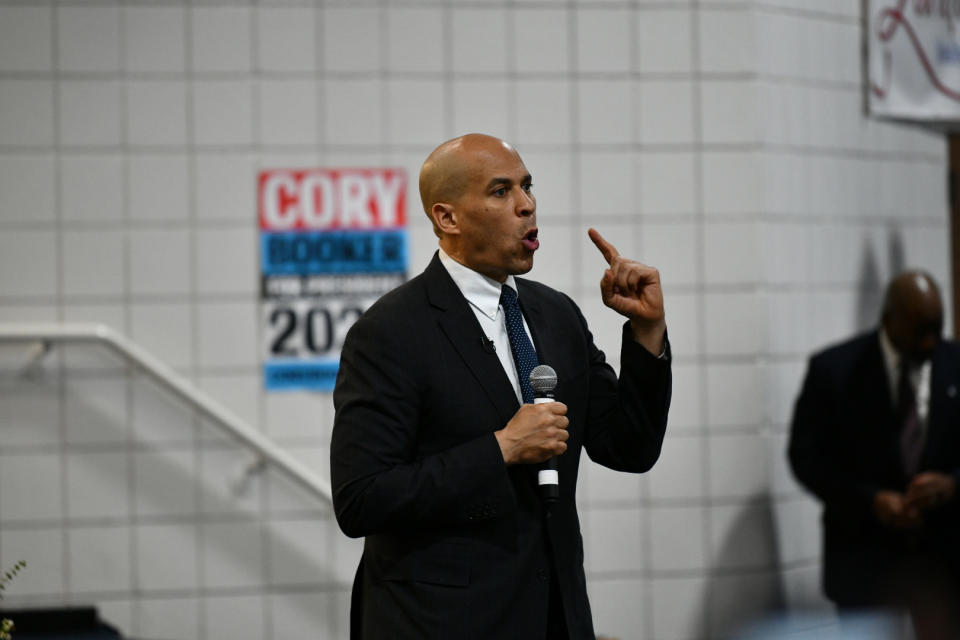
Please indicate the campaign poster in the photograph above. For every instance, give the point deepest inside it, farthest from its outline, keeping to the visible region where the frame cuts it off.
(332, 241)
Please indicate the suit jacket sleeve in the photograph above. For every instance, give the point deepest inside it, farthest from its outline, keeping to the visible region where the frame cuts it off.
(820, 451)
(627, 417)
(381, 481)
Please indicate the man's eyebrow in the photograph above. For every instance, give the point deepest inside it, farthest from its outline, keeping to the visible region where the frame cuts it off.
(508, 181)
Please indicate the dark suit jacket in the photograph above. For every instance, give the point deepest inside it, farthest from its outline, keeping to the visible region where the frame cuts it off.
(458, 544)
(844, 447)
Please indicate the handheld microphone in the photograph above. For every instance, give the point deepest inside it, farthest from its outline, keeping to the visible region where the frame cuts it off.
(543, 379)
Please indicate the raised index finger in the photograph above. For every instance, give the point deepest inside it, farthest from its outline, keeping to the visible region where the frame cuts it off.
(608, 250)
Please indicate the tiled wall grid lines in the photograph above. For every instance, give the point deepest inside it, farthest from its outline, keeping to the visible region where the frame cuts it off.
(723, 142)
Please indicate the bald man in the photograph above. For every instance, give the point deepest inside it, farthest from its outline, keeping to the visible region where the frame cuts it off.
(876, 438)
(436, 444)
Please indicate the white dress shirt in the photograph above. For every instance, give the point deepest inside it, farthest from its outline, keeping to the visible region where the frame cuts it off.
(483, 294)
(919, 378)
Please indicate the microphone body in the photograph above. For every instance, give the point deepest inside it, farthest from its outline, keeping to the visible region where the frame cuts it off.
(543, 380)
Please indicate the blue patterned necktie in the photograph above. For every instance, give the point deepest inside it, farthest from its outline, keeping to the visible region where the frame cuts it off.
(524, 355)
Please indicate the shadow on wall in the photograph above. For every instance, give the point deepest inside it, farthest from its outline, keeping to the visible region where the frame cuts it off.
(870, 287)
(744, 583)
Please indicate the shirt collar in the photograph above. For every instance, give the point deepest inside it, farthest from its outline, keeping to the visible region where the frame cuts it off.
(479, 290)
(890, 356)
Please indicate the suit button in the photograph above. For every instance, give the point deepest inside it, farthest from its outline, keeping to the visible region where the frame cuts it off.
(543, 574)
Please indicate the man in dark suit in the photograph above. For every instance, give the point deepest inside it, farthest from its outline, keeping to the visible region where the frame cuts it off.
(436, 445)
(876, 437)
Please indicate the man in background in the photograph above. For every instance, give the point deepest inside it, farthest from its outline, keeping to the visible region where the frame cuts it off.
(876, 438)
(436, 443)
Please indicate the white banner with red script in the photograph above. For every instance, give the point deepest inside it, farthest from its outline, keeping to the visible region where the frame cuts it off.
(913, 49)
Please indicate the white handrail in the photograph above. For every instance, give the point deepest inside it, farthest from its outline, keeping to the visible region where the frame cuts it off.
(233, 425)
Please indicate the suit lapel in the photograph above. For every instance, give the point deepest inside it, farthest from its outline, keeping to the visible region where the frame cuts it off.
(458, 323)
(876, 385)
(530, 305)
(942, 388)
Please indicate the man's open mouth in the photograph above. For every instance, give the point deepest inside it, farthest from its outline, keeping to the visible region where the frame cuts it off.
(530, 240)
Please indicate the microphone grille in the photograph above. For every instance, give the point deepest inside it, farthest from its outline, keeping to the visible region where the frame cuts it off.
(543, 379)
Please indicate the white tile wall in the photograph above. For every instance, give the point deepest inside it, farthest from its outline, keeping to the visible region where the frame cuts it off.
(90, 113)
(167, 617)
(543, 45)
(416, 111)
(30, 414)
(351, 39)
(679, 471)
(620, 605)
(412, 42)
(98, 485)
(227, 260)
(160, 261)
(664, 39)
(95, 410)
(27, 188)
(153, 38)
(224, 184)
(607, 185)
(723, 143)
(223, 112)
(232, 554)
(678, 607)
(26, 38)
(286, 39)
(34, 248)
(42, 549)
(88, 38)
(157, 416)
(543, 112)
(156, 113)
(677, 539)
(668, 183)
(221, 38)
(167, 556)
(27, 106)
(352, 111)
(294, 612)
(31, 487)
(665, 112)
(99, 560)
(728, 40)
(223, 494)
(604, 111)
(482, 105)
(85, 277)
(478, 49)
(240, 617)
(288, 112)
(293, 559)
(164, 482)
(603, 40)
(91, 187)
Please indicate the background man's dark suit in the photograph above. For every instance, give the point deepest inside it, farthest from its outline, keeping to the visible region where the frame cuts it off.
(845, 447)
(455, 543)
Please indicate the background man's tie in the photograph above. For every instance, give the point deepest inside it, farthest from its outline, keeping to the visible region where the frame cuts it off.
(911, 433)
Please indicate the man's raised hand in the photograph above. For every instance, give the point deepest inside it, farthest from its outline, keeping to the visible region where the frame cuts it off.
(633, 290)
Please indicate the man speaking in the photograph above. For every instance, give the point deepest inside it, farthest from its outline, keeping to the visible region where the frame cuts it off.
(437, 442)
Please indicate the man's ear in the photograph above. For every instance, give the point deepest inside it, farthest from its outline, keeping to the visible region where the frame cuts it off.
(445, 219)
